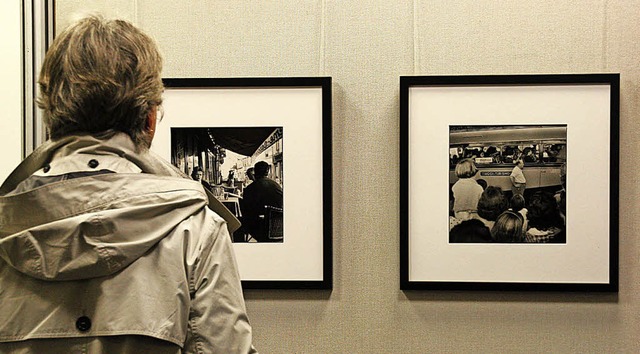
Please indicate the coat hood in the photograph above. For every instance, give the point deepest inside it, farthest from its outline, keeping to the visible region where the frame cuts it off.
(94, 226)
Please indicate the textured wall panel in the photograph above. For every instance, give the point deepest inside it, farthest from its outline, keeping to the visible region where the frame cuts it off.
(367, 48)
(68, 10)
(235, 38)
(623, 51)
(512, 36)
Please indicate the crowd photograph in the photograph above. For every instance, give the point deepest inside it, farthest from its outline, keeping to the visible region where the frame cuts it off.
(242, 168)
(507, 184)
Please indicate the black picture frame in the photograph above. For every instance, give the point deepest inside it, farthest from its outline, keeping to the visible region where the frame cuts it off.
(431, 105)
(301, 109)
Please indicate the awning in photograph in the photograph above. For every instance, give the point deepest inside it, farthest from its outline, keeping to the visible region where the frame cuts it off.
(244, 141)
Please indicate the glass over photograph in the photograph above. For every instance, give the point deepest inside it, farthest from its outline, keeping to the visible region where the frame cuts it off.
(507, 184)
(243, 168)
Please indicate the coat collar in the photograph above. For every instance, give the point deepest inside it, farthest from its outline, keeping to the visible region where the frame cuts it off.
(110, 143)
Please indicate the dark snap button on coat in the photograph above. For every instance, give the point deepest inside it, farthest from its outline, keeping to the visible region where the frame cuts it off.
(93, 163)
(83, 324)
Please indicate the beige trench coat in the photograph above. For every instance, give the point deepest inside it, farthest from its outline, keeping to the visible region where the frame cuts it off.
(125, 262)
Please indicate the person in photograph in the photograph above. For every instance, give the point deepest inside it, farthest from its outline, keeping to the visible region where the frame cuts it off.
(230, 184)
(562, 205)
(550, 153)
(511, 154)
(561, 195)
(250, 175)
(518, 181)
(470, 231)
(260, 193)
(492, 151)
(529, 155)
(105, 247)
(563, 182)
(508, 228)
(198, 174)
(466, 191)
(247, 180)
(517, 204)
(453, 221)
(492, 203)
(545, 222)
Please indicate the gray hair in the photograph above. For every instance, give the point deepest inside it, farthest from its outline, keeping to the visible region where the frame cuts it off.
(101, 76)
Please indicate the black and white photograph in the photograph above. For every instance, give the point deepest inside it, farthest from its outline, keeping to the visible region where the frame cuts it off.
(243, 168)
(262, 149)
(507, 183)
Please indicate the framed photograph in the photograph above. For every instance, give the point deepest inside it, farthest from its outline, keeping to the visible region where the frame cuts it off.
(509, 182)
(262, 147)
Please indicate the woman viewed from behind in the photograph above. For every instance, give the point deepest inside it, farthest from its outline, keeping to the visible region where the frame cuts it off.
(492, 203)
(466, 191)
(509, 228)
(518, 205)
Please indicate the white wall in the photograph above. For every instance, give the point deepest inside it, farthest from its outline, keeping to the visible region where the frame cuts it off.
(10, 87)
(365, 45)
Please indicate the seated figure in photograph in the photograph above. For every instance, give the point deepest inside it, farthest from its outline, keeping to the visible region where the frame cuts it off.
(250, 177)
(197, 175)
(257, 197)
(104, 247)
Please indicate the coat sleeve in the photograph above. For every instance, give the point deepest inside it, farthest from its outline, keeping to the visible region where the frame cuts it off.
(218, 321)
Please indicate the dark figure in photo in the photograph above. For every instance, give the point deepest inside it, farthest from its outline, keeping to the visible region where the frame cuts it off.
(261, 198)
(197, 175)
(470, 231)
(517, 204)
(250, 174)
(492, 203)
(545, 222)
(509, 228)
